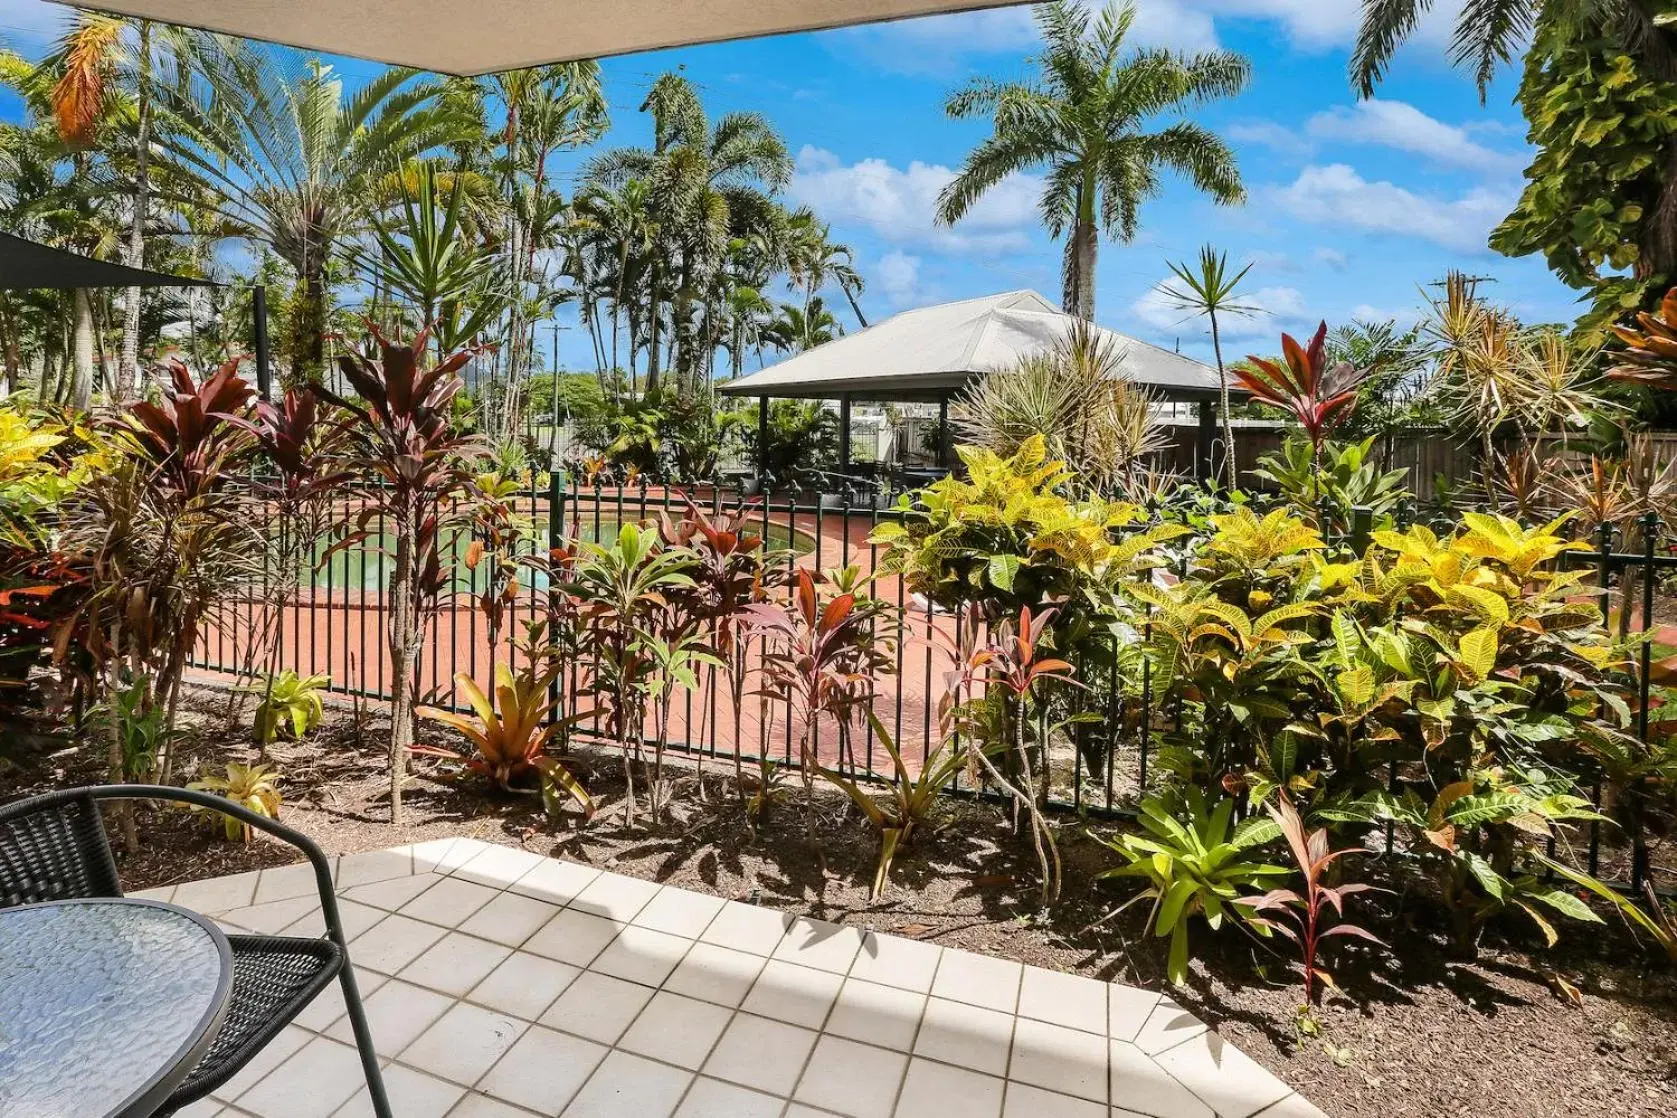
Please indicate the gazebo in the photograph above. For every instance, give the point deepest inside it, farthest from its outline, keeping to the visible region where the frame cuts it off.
(931, 354)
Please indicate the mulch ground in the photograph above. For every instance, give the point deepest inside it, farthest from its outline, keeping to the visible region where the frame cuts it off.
(1413, 1032)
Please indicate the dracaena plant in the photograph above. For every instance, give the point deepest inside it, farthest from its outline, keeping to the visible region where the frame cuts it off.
(501, 546)
(822, 658)
(509, 735)
(1303, 384)
(732, 570)
(165, 534)
(409, 463)
(1303, 917)
(965, 741)
(300, 439)
(622, 592)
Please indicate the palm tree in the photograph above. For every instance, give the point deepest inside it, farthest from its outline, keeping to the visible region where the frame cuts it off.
(292, 161)
(706, 185)
(1489, 32)
(619, 229)
(796, 329)
(1084, 121)
(815, 260)
(1207, 288)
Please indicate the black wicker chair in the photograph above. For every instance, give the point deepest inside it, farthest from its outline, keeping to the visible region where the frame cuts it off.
(53, 847)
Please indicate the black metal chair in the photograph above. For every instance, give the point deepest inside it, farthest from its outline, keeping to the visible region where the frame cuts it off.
(54, 848)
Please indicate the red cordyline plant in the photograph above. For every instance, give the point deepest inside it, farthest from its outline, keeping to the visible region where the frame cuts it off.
(1304, 386)
(823, 658)
(1015, 664)
(1301, 916)
(732, 571)
(300, 441)
(164, 536)
(408, 462)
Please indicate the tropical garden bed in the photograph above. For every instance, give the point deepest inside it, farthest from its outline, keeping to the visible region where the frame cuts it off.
(1416, 1033)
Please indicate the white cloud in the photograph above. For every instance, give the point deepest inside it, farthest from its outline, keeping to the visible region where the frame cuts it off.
(1158, 310)
(1267, 133)
(1322, 24)
(898, 203)
(1265, 260)
(1397, 124)
(1403, 316)
(940, 45)
(1285, 303)
(898, 277)
(1336, 195)
(1332, 257)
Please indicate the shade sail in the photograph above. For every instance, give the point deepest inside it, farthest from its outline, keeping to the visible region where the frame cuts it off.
(483, 36)
(26, 264)
(931, 353)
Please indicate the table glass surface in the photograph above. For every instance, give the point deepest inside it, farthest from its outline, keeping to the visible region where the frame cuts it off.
(96, 1000)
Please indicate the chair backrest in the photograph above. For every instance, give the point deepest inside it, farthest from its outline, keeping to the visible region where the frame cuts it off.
(54, 849)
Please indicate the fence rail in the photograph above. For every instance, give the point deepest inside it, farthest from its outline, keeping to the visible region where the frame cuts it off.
(335, 624)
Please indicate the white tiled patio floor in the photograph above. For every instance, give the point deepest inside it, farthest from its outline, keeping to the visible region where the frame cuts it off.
(501, 984)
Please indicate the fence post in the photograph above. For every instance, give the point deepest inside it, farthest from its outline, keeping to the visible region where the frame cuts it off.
(1362, 527)
(1604, 578)
(556, 482)
(1650, 524)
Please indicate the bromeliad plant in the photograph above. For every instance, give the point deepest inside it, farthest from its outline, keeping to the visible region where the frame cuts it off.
(409, 463)
(291, 706)
(253, 787)
(1196, 862)
(510, 734)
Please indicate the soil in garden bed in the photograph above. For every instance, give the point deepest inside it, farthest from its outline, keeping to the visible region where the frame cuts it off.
(1415, 1032)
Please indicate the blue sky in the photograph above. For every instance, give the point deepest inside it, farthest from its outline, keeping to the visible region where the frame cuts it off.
(1351, 207)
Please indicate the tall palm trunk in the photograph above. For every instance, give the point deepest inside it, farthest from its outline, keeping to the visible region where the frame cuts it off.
(654, 321)
(81, 384)
(1080, 256)
(11, 350)
(128, 368)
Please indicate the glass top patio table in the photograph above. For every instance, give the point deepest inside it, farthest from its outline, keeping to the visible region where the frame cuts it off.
(105, 1005)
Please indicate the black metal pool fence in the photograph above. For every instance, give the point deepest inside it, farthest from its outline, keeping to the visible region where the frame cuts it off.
(335, 624)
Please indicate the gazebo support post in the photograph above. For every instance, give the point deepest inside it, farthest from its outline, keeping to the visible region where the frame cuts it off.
(844, 438)
(763, 446)
(944, 454)
(1205, 441)
(259, 328)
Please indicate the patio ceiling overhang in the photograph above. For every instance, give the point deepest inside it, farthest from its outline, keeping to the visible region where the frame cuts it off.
(25, 264)
(929, 355)
(470, 37)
